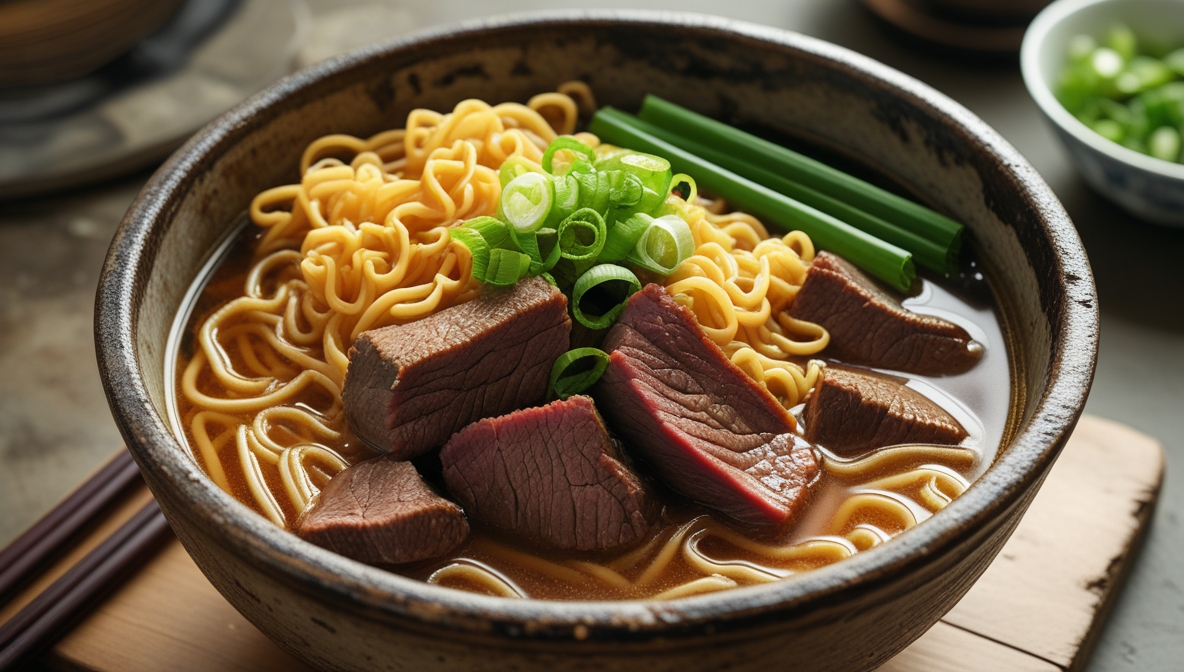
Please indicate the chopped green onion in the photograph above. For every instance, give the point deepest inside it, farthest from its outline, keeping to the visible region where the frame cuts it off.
(1175, 61)
(623, 236)
(883, 260)
(1080, 47)
(526, 202)
(575, 371)
(1106, 63)
(1109, 129)
(541, 246)
(506, 267)
(515, 166)
(587, 223)
(1164, 143)
(478, 248)
(678, 182)
(1122, 39)
(652, 172)
(594, 190)
(493, 230)
(624, 189)
(802, 169)
(607, 288)
(665, 244)
(570, 144)
(567, 199)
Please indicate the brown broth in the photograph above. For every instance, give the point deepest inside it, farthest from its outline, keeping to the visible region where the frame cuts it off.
(981, 399)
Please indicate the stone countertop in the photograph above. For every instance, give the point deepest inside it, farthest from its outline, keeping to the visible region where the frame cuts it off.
(55, 426)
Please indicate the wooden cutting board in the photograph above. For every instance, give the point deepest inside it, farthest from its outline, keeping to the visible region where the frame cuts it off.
(1038, 608)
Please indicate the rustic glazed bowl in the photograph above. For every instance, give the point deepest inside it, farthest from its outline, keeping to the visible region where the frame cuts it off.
(335, 613)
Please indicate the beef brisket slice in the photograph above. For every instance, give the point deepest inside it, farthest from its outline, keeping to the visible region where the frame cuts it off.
(381, 511)
(868, 326)
(410, 387)
(851, 413)
(710, 431)
(551, 475)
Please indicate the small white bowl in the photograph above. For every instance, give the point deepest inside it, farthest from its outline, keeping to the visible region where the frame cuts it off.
(1147, 187)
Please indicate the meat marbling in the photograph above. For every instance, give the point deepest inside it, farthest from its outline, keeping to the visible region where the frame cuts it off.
(708, 430)
(851, 412)
(869, 327)
(551, 475)
(409, 387)
(381, 511)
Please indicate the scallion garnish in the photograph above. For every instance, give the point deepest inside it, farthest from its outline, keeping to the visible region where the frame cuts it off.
(603, 288)
(541, 246)
(665, 243)
(940, 258)
(506, 267)
(575, 371)
(570, 144)
(623, 237)
(515, 166)
(881, 259)
(526, 202)
(582, 235)
(773, 158)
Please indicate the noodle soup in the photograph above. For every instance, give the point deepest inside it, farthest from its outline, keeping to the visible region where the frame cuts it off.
(363, 242)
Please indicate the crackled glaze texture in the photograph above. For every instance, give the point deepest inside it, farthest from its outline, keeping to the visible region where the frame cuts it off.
(338, 614)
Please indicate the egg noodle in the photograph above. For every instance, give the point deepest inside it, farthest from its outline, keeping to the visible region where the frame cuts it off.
(363, 242)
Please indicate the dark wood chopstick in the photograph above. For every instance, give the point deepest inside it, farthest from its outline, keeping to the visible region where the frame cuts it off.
(57, 608)
(30, 552)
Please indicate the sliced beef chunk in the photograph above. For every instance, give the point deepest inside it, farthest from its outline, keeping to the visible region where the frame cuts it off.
(551, 475)
(708, 430)
(410, 387)
(381, 511)
(851, 412)
(868, 326)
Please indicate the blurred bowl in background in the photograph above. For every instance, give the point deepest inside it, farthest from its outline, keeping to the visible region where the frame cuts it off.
(49, 41)
(995, 11)
(1144, 186)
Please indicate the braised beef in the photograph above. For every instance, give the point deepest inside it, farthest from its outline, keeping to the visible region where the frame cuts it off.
(381, 511)
(851, 412)
(551, 475)
(868, 326)
(708, 430)
(410, 387)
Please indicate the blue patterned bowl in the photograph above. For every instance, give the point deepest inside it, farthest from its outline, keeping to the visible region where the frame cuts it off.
(1149, 188)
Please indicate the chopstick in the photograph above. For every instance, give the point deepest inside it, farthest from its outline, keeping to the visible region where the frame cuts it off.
(29, 553)
(52, 612)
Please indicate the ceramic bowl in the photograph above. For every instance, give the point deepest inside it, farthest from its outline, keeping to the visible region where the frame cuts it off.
(335, 613)
(1149, 188)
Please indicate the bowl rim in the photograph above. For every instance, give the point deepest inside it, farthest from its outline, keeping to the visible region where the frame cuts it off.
(382, 594)
(1040, 90)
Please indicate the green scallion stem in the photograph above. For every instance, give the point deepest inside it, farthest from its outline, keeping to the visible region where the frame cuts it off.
(575, 371)
(926, 252)
(886, 261)
(776, 159)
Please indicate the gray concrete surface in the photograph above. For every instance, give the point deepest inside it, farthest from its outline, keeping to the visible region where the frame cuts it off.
(54, 425)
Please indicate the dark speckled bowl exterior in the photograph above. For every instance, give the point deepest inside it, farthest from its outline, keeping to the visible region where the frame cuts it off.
(338, 614)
